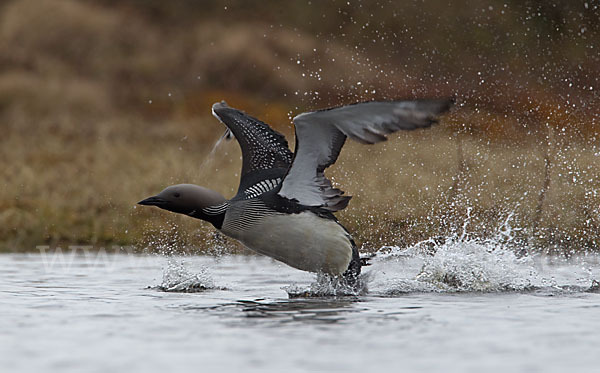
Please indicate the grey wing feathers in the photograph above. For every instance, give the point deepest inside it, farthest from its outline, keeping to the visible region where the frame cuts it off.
(262, 147)
(370, 122)
(320, 136)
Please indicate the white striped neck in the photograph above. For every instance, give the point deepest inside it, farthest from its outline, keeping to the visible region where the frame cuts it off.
(212, 214)
(217, 209)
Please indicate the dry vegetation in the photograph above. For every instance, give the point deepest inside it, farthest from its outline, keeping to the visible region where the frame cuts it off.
(104, 103)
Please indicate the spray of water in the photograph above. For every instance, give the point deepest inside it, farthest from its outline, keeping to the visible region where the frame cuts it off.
(177, 278)
(464, 262)
(328, 286)
(211, 155)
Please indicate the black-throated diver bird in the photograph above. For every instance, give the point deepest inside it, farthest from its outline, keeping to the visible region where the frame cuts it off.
(284, 204)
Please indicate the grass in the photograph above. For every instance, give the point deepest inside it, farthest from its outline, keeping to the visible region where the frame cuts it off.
(62, 191)
(102, 105)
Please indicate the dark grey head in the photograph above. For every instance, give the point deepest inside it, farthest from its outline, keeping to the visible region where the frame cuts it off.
(186, 199)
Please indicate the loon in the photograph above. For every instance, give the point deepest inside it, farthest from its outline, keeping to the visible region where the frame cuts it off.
(284, 204)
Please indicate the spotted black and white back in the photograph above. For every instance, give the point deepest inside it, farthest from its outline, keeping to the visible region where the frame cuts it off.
(266, 156)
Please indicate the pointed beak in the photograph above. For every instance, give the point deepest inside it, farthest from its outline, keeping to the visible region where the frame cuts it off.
(152, 201)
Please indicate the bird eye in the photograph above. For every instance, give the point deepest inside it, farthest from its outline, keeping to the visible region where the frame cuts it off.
(176, 195)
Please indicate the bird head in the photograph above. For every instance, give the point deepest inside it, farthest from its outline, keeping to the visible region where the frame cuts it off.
(185, 199)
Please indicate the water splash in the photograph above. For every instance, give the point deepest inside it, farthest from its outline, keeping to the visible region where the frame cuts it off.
(473, 265)
(177, 278)
(464, 262)
(328, 286)
(228, 135)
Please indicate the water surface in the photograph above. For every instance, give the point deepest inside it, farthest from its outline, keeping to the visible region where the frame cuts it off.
(465, 309)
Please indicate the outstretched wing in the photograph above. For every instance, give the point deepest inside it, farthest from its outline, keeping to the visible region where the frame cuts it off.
(265, 152)
(320, 136)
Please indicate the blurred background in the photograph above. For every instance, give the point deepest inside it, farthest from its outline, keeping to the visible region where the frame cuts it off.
(104, 103)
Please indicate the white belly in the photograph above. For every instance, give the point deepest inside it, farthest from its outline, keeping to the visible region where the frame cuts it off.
(304, 241)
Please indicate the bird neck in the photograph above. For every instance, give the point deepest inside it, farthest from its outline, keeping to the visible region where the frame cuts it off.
(212, 214)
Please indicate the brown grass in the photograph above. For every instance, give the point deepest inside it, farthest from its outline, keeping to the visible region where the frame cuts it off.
(102, 105)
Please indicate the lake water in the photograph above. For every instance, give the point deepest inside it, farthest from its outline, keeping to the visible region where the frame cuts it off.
(467, 308)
